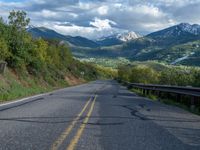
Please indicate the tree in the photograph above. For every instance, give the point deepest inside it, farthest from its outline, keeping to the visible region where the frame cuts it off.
(4, 53)
(18, 20)
(38, 54)
(3, 29)
(19, 39)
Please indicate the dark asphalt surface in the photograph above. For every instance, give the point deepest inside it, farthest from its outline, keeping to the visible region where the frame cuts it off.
(120, 120)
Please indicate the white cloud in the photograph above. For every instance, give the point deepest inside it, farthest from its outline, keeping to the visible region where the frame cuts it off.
(73, 29)
(90, 17)
(91, 32)
(103, 10)
(147, 10)
(47, 13)
(39, 1)
(102, 24)
(86, 6)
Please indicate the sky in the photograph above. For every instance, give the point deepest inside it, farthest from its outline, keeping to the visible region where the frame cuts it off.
(100, 18)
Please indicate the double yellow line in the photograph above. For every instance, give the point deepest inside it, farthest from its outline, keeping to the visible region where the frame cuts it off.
(67, 131)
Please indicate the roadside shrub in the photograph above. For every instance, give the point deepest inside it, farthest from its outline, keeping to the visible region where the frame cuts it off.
(124, 73)
(143, 74)
(177, 76)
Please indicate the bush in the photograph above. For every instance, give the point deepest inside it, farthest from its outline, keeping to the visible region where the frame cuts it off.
(177, 76)
(143, 74)
(124, 73)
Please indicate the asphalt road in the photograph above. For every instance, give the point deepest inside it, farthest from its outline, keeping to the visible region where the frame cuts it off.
(101, 115)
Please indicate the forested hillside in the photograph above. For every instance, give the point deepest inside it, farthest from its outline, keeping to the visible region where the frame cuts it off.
(37, 65)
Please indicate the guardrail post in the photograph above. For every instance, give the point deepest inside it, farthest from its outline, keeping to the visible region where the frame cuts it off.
(168, 95)
(147, 92)
(159, 94)
(178, 98)
(144, 91)
(153, 92)
(192, 103)
(130, 86)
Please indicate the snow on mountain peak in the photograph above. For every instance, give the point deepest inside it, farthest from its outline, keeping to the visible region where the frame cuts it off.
(124, 37)
(128, 36)
(193, 29)
(30, 27)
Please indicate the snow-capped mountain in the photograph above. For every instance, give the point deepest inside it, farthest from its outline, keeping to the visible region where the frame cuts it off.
(128, 36)
(193, 29)
(177, 34)
(117, 39)
(178, 30)
(30, 27)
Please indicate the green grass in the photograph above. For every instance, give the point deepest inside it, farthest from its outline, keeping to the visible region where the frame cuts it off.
(150, 96)
(18, 91)
(14, 86)
(196, 110)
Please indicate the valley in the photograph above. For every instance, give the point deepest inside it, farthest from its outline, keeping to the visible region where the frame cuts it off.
(167, 45)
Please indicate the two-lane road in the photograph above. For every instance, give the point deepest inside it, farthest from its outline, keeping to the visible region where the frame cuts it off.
(100, 115)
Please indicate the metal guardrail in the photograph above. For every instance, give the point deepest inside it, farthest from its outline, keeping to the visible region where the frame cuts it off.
(191, 92)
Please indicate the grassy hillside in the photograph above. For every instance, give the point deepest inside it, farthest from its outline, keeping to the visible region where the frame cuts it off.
(37, 65)
(14, 85)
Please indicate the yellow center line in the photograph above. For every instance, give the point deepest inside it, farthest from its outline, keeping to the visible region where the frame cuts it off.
(64, 135)
(76, 138)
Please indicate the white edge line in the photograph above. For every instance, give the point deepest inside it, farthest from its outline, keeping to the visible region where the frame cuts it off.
(23, 99)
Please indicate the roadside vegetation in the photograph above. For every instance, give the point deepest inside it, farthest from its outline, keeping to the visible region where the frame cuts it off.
(159, 73)
(38, 65)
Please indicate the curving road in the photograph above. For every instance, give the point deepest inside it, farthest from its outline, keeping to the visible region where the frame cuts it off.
(100, 115)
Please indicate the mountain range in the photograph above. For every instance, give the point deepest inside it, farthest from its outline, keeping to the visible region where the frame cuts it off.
(81, 41)
(179, 44)
(51, 34)
(181, 33)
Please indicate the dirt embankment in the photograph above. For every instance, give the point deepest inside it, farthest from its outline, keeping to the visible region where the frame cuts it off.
(73, 80)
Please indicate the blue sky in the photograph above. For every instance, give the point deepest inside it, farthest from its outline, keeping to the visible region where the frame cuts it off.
(97, 18)
(10, 0)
